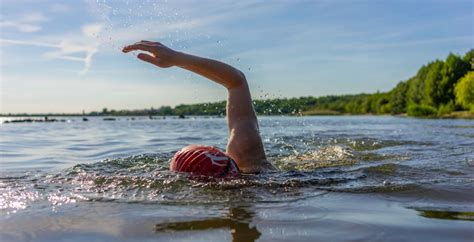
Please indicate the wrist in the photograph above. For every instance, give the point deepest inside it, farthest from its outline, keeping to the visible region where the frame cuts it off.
(179, 58)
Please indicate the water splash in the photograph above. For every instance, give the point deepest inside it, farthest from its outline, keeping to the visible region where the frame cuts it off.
(146, 179)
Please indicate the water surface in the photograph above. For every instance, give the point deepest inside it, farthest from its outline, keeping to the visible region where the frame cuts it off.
(344, 178)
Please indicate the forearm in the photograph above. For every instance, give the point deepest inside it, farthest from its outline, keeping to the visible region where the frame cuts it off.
(245, 144)
(217, 71)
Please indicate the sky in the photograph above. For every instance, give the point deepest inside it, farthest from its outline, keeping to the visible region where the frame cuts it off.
(64, 56)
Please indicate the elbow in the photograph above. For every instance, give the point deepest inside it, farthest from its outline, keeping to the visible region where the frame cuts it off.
(238, 79)
(240, 74)
(241, 77)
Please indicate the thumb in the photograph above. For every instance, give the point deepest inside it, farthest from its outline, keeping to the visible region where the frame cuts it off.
(148, 58)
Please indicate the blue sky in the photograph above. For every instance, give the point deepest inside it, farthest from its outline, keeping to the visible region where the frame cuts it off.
(64, 56)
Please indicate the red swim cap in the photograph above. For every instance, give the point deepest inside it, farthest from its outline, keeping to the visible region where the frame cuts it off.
(204, 160)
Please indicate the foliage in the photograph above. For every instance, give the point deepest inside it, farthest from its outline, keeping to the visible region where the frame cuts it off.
(446, 108)
(433, 91)
(421, 110)
(465, 91)
(453, 70)
(398, 98)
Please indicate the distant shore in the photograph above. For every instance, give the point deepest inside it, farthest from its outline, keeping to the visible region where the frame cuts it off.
(54, 117)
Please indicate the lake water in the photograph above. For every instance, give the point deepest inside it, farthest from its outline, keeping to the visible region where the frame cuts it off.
(341, 178)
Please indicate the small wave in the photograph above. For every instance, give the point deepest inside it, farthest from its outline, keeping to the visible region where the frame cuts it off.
(383, 187)
(307, 166)
(146, 179)
(331, 156)
(325, 157)
(460, 126)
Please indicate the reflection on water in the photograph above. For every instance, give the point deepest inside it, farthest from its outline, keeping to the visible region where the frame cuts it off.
(238, 221)
(450, 215)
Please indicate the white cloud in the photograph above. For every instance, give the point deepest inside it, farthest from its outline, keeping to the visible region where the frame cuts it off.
(25, 28)
(84, 44)
(35, 17)
(30, 43)
(26, 23)
(91, 30)
(80, 47)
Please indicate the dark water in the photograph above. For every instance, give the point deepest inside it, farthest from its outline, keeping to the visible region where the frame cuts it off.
(341, 179)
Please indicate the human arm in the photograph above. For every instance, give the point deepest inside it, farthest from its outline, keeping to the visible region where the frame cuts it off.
(245, 144)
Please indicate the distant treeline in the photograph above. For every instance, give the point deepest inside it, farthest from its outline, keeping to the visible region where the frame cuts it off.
(438, 88)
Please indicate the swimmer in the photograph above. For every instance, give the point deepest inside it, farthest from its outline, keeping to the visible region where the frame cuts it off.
(245, 152)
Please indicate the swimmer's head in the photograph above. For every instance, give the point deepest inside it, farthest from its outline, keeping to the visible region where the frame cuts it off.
(205, 161)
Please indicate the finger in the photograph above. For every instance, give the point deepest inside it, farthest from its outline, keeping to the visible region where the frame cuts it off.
(137, 47)
(150, 43)
(148, 58)
(133, 47)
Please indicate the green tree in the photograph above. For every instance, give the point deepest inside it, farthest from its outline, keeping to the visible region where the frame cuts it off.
(446, 108)
(465, 91)
(398, 98)
(416, 86)
(165, 110)
(432, 87)
(469, 57)
(421, 111)
(453, 69)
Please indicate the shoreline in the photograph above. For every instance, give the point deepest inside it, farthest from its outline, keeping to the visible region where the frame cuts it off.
(453, 115)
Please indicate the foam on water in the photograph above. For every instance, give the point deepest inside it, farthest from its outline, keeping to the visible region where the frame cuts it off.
(338, 165)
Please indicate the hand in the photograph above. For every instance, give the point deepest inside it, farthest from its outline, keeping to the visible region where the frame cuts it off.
(160, 55)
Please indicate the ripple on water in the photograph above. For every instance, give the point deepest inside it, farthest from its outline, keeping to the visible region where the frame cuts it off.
(308, 167)
(146, 179)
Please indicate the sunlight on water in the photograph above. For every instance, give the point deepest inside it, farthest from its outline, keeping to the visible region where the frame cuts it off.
(92, 167)
(309, 163)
